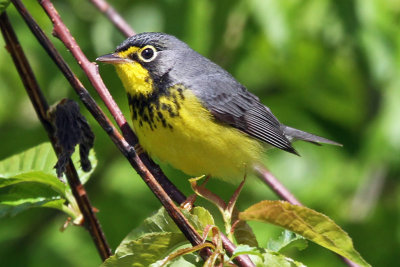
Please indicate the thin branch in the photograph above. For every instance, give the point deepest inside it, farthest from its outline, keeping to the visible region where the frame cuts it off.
(170, 188)
(273, 183)
(91, 70)
(114, 17)
(41, 107)
(120, 142)
(263, 173)
(126, 130)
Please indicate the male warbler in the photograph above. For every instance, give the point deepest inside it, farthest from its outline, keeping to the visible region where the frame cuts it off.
(191, 113)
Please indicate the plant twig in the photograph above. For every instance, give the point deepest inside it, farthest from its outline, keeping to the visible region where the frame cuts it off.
(41, 107)
(114, 17)
(273, 183)
(264, 174)
(91, 71)
(124, 147)
(169, 187)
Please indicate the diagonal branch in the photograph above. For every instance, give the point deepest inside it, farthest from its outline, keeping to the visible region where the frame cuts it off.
(41, 107)
(169, 187)
(267, 177)
(120, 142)
(114, 17)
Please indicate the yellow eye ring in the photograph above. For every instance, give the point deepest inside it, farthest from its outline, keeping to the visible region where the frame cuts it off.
(147, 53)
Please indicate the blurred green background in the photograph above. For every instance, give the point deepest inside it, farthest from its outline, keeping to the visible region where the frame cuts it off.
(324, 66)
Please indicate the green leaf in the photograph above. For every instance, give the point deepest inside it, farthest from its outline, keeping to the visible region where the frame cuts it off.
(146, 250)
(264, 257)
(286, 240)
(23, 196)
(246, 249)
(244, 234)
(3, 5)
(37, 177)
(158, 222)
(204, 217)
(33, 165)
(156, 238)
(306, 222)
(161, 222)
(28, 180)
(84, 176)
(39, 158)
(188, 260)
(274, 259)
(12, 209)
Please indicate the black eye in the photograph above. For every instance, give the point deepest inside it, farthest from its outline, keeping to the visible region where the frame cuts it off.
(147, 54)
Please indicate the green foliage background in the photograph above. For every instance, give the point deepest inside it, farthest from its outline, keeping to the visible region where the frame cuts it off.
(328, 67)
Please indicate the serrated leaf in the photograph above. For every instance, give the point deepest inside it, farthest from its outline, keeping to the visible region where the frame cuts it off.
(28, 180)
(147, 249)
(306, 222)
(39, 158)
(286, 240)
(33, 165)
(161, 222)
(37, 165)
(3, 5)
(158, 222)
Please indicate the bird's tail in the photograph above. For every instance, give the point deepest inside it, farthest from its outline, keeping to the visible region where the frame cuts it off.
(294, 134)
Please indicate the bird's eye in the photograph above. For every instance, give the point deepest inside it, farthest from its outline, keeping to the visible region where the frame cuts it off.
(148, 53)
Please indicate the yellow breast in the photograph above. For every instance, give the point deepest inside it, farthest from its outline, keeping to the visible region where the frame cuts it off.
(176, 128)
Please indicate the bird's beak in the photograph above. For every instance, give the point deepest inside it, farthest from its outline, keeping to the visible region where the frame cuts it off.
(113, 58)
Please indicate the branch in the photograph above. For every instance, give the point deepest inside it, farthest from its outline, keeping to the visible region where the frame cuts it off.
(169, 187)
(266, 176)
(41, 107)
(126, 130)
(120, 142)
(273, 183)
(114, 17)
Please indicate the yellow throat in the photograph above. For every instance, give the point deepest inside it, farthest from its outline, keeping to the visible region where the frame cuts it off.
(176, 128)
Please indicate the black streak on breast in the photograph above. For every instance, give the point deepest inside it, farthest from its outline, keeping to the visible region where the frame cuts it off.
(148, 109)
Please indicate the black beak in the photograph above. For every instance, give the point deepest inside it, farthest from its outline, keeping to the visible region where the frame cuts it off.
(112, 59)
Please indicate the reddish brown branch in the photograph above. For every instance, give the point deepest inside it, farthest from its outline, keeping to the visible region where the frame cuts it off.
(273, 183)
(124, 147)
(114, 17)
(41, 106)
(170, 188)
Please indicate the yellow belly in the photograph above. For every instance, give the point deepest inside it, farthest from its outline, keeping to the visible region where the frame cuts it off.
(187, 137)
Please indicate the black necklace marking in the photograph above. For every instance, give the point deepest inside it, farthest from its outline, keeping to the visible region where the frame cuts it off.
(148, 109)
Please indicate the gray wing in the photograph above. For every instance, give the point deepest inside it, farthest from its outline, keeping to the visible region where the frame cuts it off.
(230, 102)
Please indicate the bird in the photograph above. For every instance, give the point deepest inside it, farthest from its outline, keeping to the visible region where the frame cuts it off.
(191, 113)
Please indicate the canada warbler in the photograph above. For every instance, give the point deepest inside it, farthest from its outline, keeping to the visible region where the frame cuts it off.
(191, 113)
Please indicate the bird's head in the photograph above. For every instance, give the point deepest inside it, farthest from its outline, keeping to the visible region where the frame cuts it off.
(143, 59)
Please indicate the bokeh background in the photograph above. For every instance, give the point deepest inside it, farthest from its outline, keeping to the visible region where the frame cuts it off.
(324, 66)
